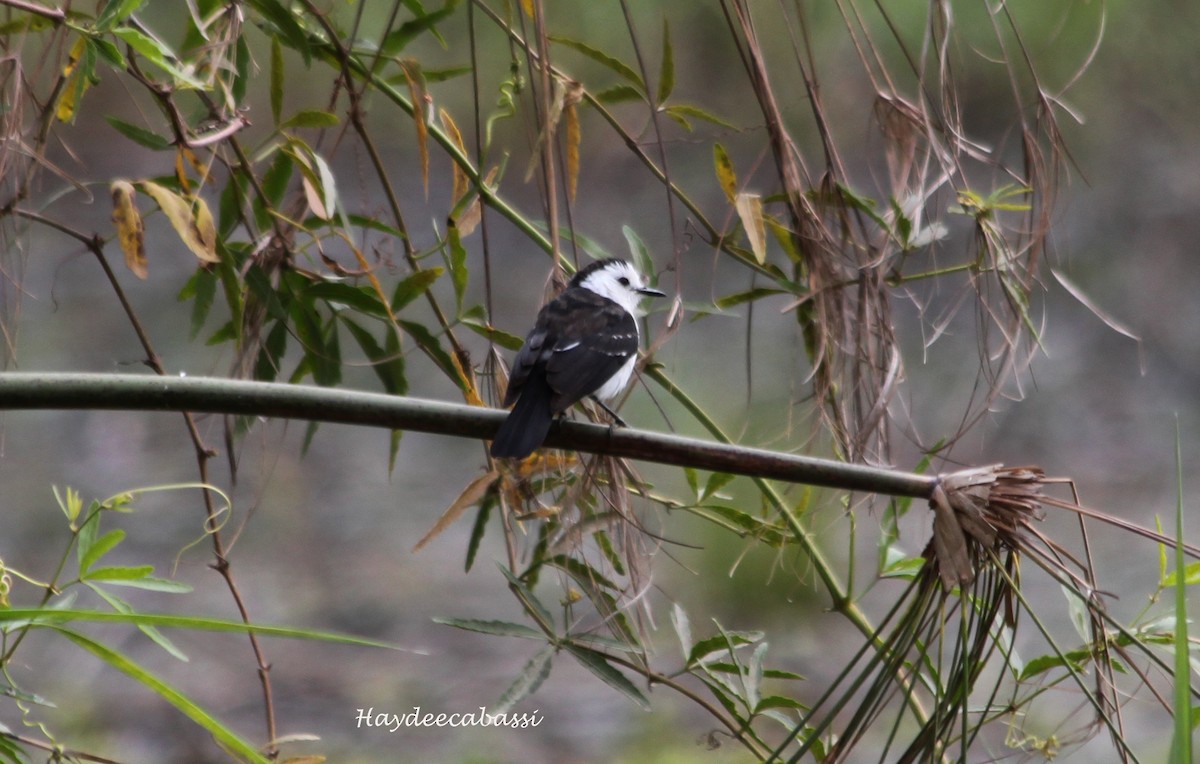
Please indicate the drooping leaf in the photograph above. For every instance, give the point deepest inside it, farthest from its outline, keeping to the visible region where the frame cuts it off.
(130, 231)
(598, 664)
(416, 90)
(529, 680)
(81, 62)
(574, 137)
(156, 52)
(399, 38)
(387, 362)
(725, 173)
(179, 211)
(470, 496)
(227, 737)
(750, 211)
(666, 73)
(277, 80)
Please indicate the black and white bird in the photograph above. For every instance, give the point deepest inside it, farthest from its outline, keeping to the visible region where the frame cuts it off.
(584, 344)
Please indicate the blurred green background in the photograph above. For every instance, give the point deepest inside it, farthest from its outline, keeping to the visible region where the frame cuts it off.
(325, 539)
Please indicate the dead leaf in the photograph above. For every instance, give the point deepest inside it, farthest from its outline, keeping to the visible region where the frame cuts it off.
(750, 210)
(469, 497)
(179, 211)
(461, 183)
(420, 99)
(130, 230)
(574, 135)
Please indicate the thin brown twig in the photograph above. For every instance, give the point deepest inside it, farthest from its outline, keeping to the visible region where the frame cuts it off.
(95, 244)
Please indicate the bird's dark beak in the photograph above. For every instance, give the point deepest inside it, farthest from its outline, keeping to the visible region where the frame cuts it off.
(648, 292)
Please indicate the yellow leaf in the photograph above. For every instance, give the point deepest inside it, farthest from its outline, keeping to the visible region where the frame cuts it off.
(76, 83)
(571, 117)
(471, 393)
(207, 229)
(179, 211)
(130, 231)
(527, 6)
(420, 100)
(461, 184)
(181, 173)
(469, 497)
(750, 210)
(725, 174)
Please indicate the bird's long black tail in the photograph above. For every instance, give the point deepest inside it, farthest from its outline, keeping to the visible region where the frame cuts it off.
(527, 423)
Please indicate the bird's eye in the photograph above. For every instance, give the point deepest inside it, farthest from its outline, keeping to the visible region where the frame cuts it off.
(623, 281)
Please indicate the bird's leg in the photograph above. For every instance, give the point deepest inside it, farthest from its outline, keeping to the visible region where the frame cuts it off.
(617, 420)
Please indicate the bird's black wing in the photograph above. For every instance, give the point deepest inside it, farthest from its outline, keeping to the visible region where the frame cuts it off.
(594, 341)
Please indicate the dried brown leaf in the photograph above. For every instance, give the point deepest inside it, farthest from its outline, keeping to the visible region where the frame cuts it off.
(469, 497)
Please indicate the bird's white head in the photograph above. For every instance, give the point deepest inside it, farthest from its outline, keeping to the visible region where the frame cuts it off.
(617, 280)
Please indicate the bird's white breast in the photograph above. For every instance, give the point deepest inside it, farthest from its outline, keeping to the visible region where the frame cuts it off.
(617, 382)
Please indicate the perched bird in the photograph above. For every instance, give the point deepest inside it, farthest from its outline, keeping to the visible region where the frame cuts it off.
(584, 343)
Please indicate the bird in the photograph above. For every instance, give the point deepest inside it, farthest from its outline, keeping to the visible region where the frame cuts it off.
(584, 343)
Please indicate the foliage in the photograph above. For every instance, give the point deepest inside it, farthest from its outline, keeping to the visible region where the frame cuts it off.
(304, 261)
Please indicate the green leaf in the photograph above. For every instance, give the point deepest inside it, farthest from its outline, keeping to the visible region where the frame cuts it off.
(502, 338)
(430, 344)
(311, 118)
(683, 628)
(498, 628)
(109, 52)
(156, 636)
(750, 295)
(637, 248)
(666, 73)
(620, 94)
(225, 736)
(1191, 575)
(529, 680)
(363, 299)
(527, 596)
(458, 266)
(158, 54)
(277, 81)
(598, 664)
(99, 548)
(387, 365)
(414, 286)
(721, 644)
(116, 11)
(477, 531)
(88, 532)
(716, 481)
(285, 25)
(203, 290)
(275, 184)
(605, 60)
(241, 66)
(684, 112)
(396, 40)
(52, 616)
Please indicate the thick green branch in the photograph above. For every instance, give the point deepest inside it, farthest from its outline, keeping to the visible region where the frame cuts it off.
(135, 392)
